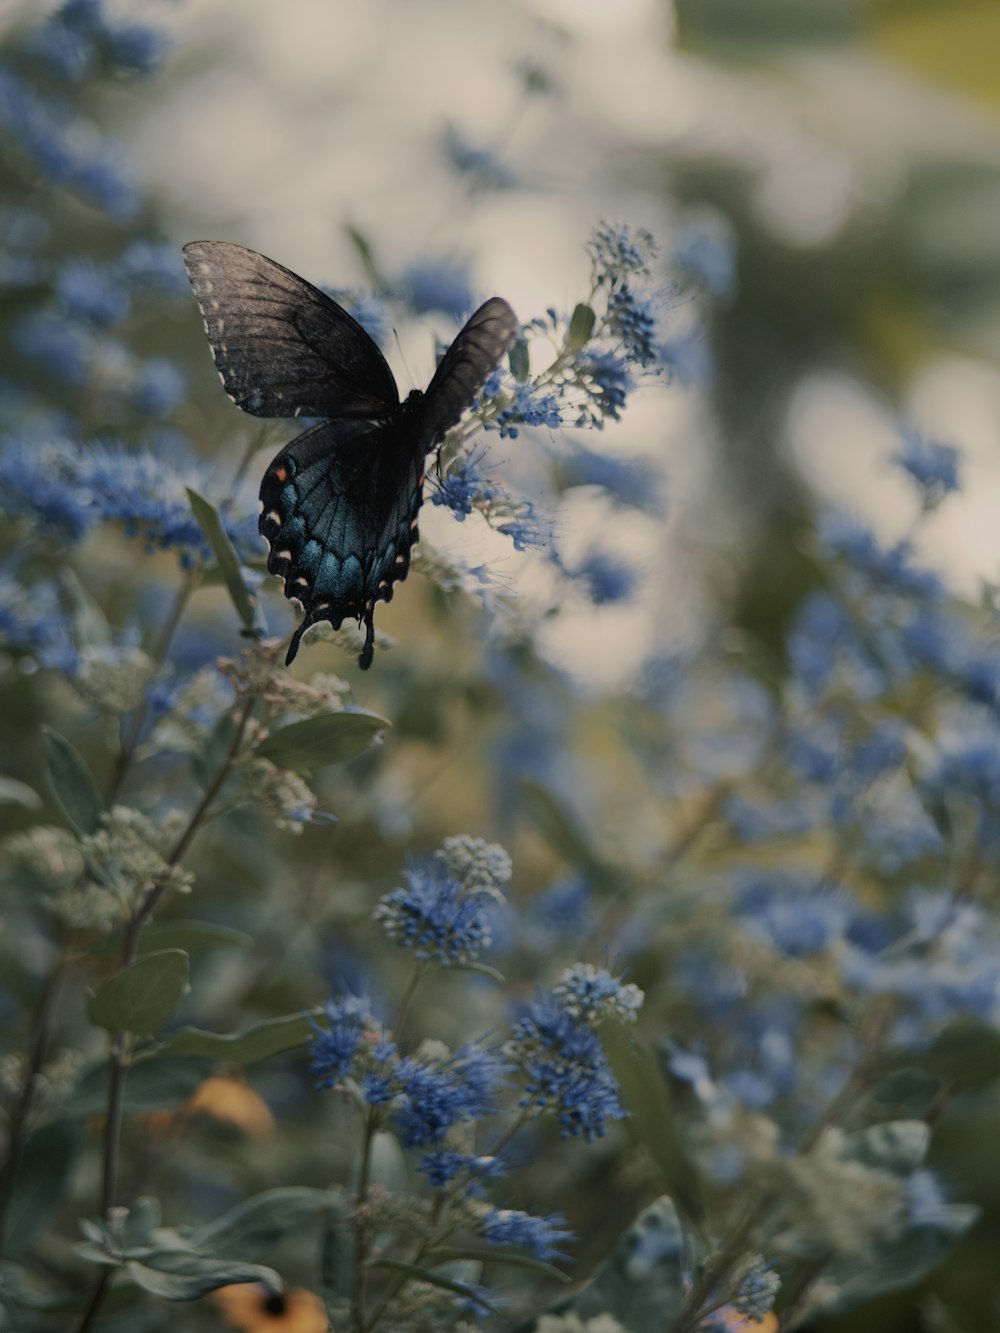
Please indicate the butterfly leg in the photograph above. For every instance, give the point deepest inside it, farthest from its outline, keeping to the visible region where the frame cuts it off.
(368, 651)
(293, 647)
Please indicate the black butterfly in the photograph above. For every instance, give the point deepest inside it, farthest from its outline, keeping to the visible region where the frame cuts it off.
(339, 504)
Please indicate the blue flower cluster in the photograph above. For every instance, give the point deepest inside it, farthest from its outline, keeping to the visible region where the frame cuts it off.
(556, 1046)
(67, 488)
(442, 918)
(529, 406)
(933, 467)
(81, 39)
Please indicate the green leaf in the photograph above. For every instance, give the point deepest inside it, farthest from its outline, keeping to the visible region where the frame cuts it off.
(653, 1123)
(520, 362)
(72, 786)
(41, 1182)
(193, 937)
(256, 1225)
(447, 1254)
(898, 1146)
(581, 327)
(901, 1262)
(181, 1275)
(641, 1280)
(965, 1054)
(387, 1164)
(247, 1047)
(13, 792)
(142, 1220)
(330, 738)
(211, 525)
(142, 997)
(366, 254)
(435, 1280)
(90, 624)
(210, 758)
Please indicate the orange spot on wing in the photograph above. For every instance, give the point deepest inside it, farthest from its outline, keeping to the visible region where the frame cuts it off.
(281, 473)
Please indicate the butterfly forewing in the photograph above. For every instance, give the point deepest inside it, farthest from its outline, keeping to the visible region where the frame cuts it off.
(282, 347)
(481, 343)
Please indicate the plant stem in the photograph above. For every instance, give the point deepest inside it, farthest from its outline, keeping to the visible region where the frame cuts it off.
(121, 1045)
(359, 1295)
(42, 1020)
(406, 1001)
(126, 756)
(41, 1027)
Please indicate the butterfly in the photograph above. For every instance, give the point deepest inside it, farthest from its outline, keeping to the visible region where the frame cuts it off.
(339, 503)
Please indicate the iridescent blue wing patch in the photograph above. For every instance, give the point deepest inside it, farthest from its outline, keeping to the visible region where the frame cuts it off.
(282, 347)
(340, 508)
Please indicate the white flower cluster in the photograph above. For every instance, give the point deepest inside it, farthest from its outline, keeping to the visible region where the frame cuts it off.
(476, 863)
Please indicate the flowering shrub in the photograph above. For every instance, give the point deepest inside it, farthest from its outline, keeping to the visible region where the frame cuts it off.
(678, 1062)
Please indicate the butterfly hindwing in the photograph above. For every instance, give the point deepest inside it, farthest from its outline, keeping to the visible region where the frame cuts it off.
(481, 343)
(339, 511)
(282, 347)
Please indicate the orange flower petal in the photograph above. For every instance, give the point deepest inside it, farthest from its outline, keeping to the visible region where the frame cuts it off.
(251, 1308)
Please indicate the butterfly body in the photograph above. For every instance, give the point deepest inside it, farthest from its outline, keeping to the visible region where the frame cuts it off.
(339, 504)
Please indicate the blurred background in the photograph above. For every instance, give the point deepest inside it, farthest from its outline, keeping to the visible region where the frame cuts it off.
(823, 181)
(822, 178)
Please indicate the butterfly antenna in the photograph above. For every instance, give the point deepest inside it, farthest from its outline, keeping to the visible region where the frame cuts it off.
(402, 357)
(367, 655)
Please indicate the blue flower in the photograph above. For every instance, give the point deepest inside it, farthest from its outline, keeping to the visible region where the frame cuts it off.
(479, 164)
(62, 347)
(529, 407)
(40, 483)
(932, 466)
(441, 284)
(618, 251)
(593, 994)
(709, 257)
(565, 1070)
(430, 1098)
(758, 1288)
(608, 381)
(88, 292)
(148, 266)
(462, 487)
(541, 1235)
(633, 319)
(161, 386)
(688, 358)
(437, 915)
(629, 481)
(443, 1168)
(334, 1049)
(65, 148)
(795, 918)
(80, 32)
(608, 580)
(844, 538)
(135, 48)
(34, 621)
